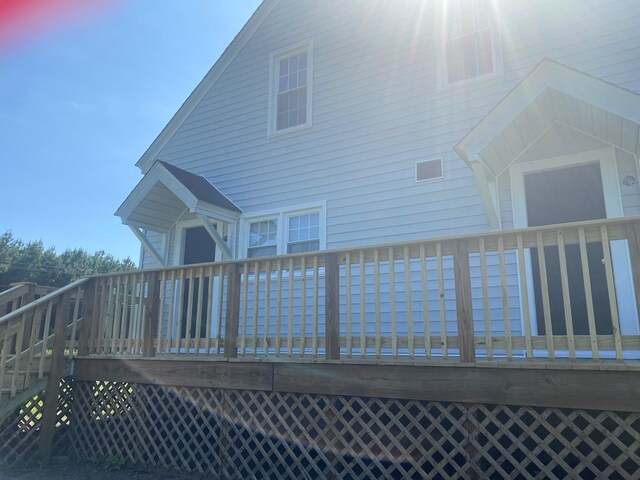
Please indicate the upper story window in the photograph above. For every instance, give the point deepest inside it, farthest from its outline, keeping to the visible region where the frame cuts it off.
(470, 42)
(290, 105)
(296, 230)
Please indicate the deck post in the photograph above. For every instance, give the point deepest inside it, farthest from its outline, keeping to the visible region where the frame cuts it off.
(464, 312)
(29, 296)
(332, 306)
(152, 304)
(232, 319)
(50, 411)
(87, 317)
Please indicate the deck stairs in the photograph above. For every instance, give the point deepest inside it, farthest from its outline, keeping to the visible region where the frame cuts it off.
(13, 395)
(38, 338)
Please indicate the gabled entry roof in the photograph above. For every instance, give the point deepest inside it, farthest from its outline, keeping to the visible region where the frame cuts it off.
(552, 96)
(166, 193)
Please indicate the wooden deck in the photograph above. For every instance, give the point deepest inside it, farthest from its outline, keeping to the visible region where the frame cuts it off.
(457, 302)
(603, 385)
(422, 357)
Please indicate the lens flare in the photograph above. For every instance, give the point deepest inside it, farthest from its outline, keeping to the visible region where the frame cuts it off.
(22, 21)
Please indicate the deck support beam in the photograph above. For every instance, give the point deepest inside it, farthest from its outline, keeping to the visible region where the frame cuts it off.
(508, 384)
(332, 306)
(464, 308)
(50, 413)
(233, 312)
(152, 304)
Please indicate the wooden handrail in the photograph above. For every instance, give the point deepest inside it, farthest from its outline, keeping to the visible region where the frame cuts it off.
(407, 300)
(42, 300)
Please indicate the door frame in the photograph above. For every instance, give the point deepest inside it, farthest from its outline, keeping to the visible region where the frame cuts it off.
(613, 206)
(180, 234)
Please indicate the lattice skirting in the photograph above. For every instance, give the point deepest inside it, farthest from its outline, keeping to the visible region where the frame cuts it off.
(19, 431)
(245, 435)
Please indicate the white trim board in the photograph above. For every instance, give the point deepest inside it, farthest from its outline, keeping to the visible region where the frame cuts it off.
(281, 215)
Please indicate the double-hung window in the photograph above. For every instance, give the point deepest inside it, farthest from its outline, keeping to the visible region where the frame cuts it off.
(470, 43)
(293, 231)
(263, 238)
(304, 233)
(290, 105)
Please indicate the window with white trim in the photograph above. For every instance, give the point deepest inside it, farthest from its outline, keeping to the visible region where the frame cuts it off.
(470, 42)
(290, 90)
(263, 238)
(304, 233)
(297, 230)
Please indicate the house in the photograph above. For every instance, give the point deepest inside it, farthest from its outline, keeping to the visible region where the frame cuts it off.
(332, 125)
(381, 239)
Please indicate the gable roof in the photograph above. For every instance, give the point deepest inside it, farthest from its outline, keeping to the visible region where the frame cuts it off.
(551, 93)
(201, 188)
(192, 101)
(166, 193)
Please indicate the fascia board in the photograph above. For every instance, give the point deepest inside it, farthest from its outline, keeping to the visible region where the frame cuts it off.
(157, 174)
(214, 211)
(241, 39)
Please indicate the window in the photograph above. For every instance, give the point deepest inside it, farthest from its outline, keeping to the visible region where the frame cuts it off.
(470, 42)
(304, 233)
(429, 170)
(290, 90)
(263, 240)
(296, 230)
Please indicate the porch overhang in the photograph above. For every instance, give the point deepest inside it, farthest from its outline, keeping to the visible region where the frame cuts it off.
(552, 98)
(165, 195)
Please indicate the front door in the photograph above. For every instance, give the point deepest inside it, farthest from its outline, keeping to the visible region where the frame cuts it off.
(564, 195)
(199, 247)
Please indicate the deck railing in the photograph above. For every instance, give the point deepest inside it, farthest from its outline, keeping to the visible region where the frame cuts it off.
(34, 333)
(452, 298)
(20, 294)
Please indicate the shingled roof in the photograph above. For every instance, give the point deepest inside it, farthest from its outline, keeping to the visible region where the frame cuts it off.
(200, 187)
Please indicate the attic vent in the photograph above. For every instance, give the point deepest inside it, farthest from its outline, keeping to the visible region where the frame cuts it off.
(429, 170)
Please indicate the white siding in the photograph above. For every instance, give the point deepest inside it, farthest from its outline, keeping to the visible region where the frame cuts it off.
(376, 111)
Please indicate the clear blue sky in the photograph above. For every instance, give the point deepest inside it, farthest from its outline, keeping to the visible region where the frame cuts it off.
(80, 103)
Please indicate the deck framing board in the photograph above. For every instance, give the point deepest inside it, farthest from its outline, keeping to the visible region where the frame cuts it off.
(543, 387)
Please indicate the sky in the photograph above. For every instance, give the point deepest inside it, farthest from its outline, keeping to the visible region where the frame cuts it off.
(82, 96)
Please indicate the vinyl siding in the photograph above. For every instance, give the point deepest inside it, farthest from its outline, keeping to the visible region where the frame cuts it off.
(376, 111)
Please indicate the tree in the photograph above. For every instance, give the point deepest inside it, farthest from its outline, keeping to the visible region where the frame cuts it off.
(32, 262)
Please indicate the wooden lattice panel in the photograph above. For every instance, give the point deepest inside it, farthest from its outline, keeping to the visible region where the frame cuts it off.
(19, 430)
(540, 443)
(246, 434)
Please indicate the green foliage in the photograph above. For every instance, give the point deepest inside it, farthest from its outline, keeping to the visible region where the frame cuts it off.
(32, 262)
(113, 463)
